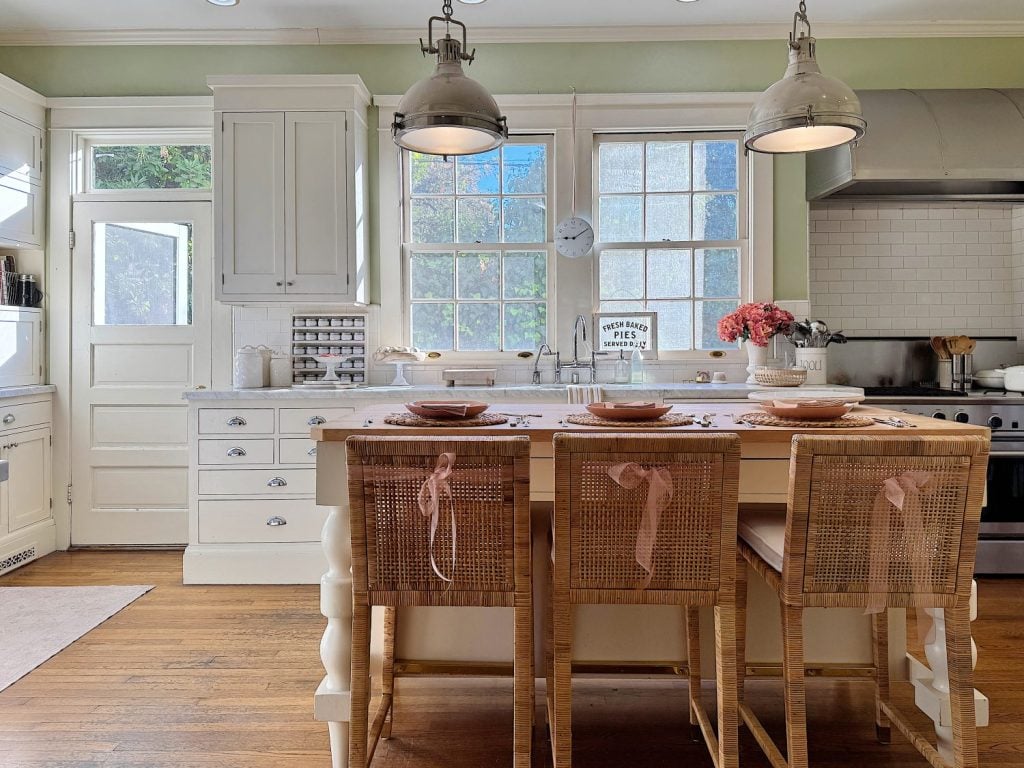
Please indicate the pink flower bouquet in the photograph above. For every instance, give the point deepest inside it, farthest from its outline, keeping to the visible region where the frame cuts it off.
(755, 322)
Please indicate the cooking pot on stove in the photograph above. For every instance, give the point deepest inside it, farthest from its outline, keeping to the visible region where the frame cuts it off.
(1014, 378)
(994, 378)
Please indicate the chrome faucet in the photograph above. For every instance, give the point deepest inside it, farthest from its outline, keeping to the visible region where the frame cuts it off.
(579, 333)
(536, 363)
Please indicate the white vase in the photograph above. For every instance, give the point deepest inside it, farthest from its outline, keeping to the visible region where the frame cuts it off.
(815, 360)
(756, 357)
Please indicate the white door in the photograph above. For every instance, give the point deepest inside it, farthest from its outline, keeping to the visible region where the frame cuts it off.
(249, 173)
(27, 496)
(316, 196)
(140, 337)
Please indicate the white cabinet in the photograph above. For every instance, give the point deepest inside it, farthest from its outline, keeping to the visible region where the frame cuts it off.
(27, 529)
(21, 346)
(290, 188)
(22, 153)
(253, 517)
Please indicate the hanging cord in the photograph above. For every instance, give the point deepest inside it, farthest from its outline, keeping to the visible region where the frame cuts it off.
(574, 151)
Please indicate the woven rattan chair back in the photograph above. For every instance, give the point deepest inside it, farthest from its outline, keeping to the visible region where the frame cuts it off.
(844, 543)
(597, 521)
(391, 541)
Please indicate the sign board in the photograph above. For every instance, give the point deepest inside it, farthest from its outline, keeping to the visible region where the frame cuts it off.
(627, 331)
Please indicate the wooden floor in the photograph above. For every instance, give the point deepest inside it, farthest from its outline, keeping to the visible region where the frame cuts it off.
(223, 677)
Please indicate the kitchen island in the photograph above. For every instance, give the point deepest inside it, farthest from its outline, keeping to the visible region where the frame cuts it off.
(645, 637)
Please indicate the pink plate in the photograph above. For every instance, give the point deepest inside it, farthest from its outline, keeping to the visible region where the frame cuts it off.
(628, 411)
(805, 410)
(447, 409)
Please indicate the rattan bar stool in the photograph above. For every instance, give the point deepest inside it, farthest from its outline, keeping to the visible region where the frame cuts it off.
(646, 519)
(438, 522)
(871, 523)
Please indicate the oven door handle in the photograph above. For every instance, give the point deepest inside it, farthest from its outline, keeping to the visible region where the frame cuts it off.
(1006, 454)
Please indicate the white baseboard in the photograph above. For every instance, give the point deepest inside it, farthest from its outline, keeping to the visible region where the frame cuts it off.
(254, 564)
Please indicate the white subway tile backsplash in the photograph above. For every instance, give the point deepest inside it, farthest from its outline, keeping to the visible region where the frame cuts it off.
(920, 268)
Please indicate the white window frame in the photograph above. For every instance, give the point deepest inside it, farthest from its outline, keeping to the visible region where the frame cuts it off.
(136, 138)
(742, 243)
(408, 248)
(596, 114)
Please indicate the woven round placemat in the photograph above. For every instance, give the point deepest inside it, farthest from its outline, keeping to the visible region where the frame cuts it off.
(668, 420)
(767, 420)
(412, 420)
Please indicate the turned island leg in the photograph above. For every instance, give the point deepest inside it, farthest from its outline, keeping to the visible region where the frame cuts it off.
(332, 703)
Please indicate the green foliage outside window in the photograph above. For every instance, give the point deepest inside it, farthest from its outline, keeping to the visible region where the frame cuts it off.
(152, 166)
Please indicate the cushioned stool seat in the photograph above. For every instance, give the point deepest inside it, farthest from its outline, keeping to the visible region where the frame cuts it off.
(765, 533)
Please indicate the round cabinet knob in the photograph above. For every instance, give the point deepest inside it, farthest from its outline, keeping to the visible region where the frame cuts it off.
(995, 422)
(276, 520)
(961, 417)
(939, 415)
(277, 482)
(9, 418)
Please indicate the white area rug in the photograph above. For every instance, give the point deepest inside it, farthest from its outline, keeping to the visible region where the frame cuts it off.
(38, 622)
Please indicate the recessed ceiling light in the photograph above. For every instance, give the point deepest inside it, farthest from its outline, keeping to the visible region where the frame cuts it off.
(222, 2)
(687, 1)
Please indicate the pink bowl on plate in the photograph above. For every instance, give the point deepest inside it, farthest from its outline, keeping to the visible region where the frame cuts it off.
(446, 409)
(628, 411)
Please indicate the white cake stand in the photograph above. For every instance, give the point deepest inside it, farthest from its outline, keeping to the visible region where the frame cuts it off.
(400, 380)
(331, 361)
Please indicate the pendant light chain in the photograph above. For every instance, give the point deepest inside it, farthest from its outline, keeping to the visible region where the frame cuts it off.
(574, 151)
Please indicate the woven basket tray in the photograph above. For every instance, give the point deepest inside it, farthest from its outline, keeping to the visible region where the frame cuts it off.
(668, 420)
(412, 420)
(767, 420)
(780, 377)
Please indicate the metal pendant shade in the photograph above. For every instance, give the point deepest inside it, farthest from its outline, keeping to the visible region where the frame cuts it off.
(804, 111)
(448, 113)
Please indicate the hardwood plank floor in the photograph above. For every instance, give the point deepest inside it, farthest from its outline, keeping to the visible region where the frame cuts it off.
(222, 677)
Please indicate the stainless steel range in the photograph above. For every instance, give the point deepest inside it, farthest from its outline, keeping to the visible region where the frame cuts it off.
(900, 373)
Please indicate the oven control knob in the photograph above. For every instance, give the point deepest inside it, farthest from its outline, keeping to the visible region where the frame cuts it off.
(939, 415)
(961, 417)
(995, 422)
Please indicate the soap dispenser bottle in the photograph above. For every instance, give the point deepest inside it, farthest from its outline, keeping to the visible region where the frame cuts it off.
(622, 372)
(636, 367)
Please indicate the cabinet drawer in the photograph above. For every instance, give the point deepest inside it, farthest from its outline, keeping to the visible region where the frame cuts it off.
(263, 520)
(236, 421)
(297, 450)
(257, 482)
(298, 421)
(24, 415)
(229, 451)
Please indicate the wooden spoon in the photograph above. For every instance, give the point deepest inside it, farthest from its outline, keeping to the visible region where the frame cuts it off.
(939, 347)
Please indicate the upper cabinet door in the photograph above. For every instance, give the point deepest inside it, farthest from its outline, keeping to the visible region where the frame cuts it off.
(317, 180)
(249, 179)
(21, 150)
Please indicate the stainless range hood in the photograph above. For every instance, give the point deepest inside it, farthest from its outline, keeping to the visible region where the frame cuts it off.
(929, 145)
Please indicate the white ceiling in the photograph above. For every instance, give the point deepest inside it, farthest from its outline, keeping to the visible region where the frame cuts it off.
(390, 20)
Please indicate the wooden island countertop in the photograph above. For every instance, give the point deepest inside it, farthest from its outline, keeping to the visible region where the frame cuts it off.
(546, 420)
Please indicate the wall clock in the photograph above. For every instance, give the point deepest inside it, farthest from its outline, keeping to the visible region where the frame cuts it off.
(574, 237)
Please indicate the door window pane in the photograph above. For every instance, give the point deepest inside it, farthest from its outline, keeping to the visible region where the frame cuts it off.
(142, 274)
(151, 166)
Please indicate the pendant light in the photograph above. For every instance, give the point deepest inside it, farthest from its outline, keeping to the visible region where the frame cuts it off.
(448, 113)
(804, 111)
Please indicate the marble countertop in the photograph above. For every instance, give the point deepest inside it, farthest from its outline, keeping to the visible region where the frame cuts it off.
(27, 389)
(554, 393)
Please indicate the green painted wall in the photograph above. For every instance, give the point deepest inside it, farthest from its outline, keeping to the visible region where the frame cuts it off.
(548, 68)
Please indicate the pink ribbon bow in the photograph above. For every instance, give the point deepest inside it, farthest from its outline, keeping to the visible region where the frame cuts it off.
(433, 488)
(659, 492)
(904, 493)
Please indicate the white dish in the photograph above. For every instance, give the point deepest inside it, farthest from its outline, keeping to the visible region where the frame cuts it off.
(795, 394)
(1014, 379)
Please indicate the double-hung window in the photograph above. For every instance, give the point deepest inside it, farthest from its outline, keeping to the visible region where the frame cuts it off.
(477, 248)
(672, 231)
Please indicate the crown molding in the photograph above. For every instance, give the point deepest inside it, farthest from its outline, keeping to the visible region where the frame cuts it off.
(567, 34)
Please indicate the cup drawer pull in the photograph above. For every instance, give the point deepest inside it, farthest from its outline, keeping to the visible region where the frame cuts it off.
(9, 418)
(277, 482)
(316, 421)
(276, 521)
(311, 451)
(236, 452)
(237, 421)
